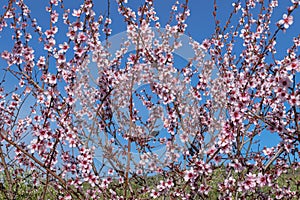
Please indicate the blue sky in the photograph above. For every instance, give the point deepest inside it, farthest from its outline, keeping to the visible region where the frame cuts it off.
(200, 25)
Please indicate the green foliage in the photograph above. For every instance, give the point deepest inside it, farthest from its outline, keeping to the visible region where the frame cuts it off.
(24, 188)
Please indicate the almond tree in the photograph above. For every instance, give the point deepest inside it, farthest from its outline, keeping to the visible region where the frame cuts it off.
(85, 105)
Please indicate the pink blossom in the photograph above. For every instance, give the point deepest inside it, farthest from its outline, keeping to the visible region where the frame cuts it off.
(64, 47)
(286, 21)
(154, 194)
(76, 13)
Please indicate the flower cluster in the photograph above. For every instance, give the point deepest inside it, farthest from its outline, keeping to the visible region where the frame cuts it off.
(92, 124)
